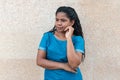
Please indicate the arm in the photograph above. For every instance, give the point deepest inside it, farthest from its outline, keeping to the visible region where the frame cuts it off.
(43, 62)
(74, 59)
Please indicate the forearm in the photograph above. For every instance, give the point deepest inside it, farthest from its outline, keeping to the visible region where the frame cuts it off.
(49, 64)
(73, 58)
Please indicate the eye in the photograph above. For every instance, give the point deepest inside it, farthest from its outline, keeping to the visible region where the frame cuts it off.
(63, 20)
(57, 19)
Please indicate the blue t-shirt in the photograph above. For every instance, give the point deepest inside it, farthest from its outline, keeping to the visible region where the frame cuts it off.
(56, 50)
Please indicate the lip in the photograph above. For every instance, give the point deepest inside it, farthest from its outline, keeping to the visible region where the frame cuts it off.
(59, 27)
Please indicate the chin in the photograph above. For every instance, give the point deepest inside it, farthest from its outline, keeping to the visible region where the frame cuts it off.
(60, 31)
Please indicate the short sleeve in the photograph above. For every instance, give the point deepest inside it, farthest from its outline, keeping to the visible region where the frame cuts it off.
(79, 44)
(43, 42)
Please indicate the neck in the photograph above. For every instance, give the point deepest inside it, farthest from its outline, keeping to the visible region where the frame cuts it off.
(60, 35)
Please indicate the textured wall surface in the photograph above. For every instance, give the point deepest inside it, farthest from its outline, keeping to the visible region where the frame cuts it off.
(22, 23)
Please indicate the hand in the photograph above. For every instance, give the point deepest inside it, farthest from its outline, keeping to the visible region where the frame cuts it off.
(67, 67)
(69, 31)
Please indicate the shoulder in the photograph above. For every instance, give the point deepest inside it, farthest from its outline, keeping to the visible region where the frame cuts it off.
(78, 38)
(47, 33)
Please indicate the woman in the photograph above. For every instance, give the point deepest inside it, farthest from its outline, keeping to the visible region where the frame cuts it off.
(61, 50)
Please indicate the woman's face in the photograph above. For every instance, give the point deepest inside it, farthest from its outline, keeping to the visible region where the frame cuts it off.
(62, 21)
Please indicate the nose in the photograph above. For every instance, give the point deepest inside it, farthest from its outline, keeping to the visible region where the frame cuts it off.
(59, 23)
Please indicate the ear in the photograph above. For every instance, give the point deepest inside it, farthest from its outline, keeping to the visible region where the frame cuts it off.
(72, 22)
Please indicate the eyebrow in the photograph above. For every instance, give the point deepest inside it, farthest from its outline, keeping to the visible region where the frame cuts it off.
(61, 19)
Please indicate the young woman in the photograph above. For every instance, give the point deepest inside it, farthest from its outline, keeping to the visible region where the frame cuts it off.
(61, 49)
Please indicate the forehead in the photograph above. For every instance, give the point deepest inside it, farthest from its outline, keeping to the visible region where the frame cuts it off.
(61, 15)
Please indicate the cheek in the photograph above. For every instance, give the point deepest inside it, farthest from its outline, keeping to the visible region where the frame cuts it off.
(66, 24)
(56, 23)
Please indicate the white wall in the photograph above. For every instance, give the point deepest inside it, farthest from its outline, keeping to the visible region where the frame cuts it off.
(22, 23)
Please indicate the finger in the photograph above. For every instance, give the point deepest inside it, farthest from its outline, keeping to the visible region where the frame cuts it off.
(74, 71)
(67, 28)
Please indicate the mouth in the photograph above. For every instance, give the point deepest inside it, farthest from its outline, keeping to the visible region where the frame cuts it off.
(61, 29)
